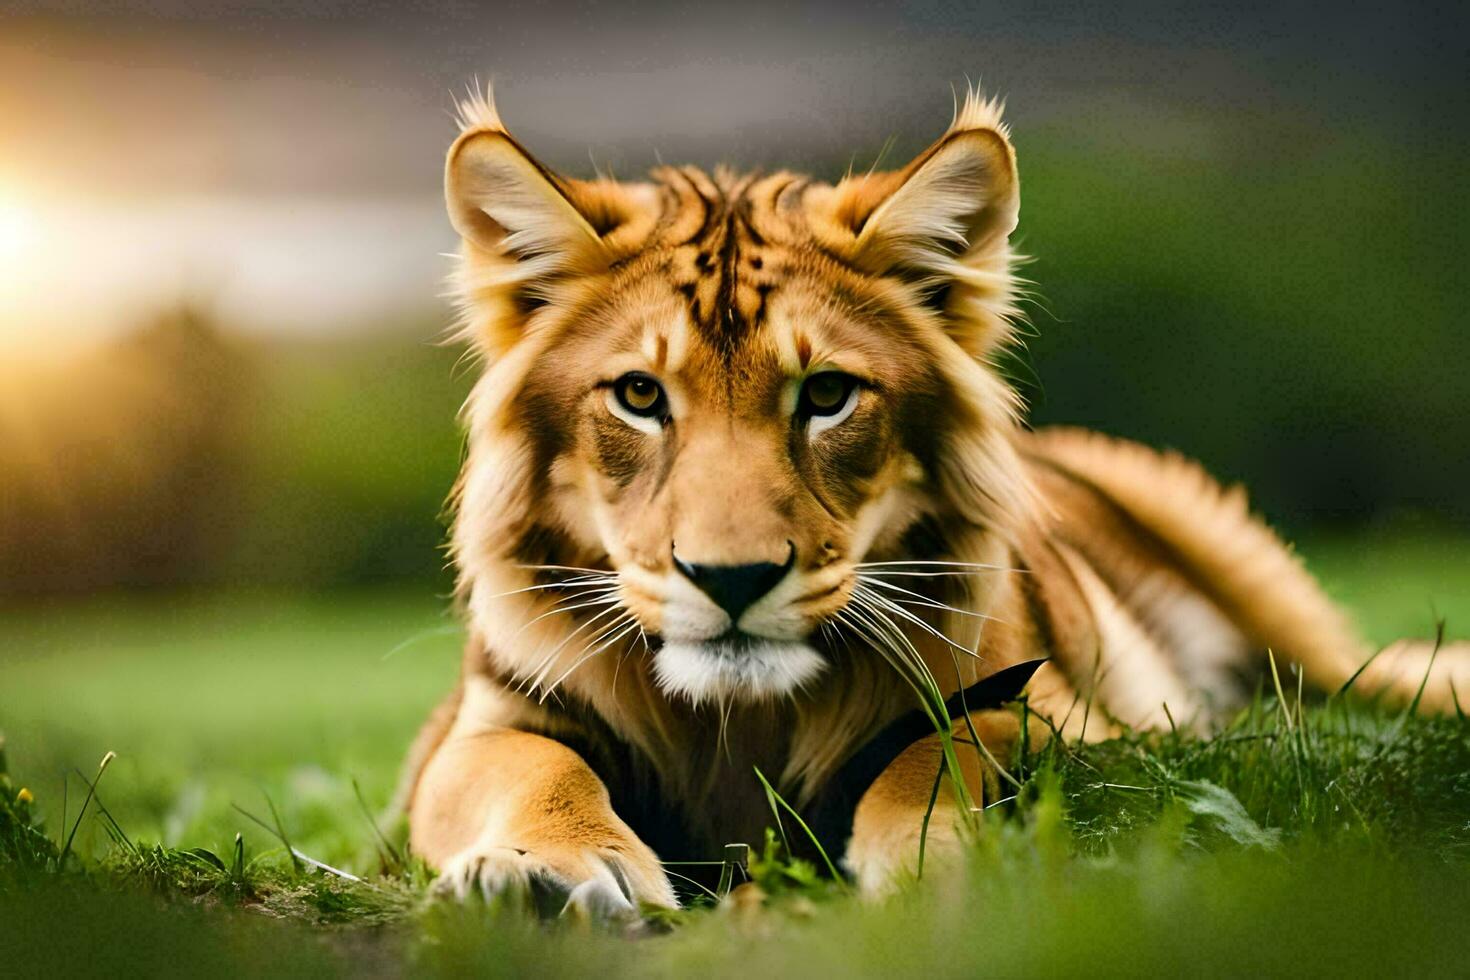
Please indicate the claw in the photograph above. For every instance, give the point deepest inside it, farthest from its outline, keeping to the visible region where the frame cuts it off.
(599, 900)
(519, 879)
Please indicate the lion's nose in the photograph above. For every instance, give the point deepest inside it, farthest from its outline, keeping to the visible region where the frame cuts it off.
(735, 588)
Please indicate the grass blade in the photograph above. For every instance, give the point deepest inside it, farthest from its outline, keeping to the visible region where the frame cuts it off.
(295, 854)
(776, 798)
(281, 832)
(928, 813)
(393, 853)
(91, 791)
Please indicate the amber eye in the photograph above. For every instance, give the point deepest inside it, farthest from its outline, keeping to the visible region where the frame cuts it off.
(641, 395)
(826, 393)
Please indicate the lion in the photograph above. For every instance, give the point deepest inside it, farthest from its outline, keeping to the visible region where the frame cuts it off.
(744, 490)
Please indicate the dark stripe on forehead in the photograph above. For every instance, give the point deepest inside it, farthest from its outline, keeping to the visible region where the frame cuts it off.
(717, 244)
(727, 325)
(692, 194)
(743, 209)
(717, 310)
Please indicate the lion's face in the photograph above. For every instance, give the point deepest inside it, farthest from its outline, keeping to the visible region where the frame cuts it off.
(712, 390)
(733, 470)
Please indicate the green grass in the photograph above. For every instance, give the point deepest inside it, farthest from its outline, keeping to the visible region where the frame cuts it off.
(211, 701)
(1325, 841)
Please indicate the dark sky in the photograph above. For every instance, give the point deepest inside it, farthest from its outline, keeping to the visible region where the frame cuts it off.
(234, 94)
(288, 157)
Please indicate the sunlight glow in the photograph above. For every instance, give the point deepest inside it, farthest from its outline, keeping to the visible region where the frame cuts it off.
(20, 227)
(89, 266)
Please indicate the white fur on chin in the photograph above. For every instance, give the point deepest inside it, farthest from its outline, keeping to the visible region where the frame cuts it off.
(716, 669)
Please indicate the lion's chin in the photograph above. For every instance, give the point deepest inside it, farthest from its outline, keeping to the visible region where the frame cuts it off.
(751, 669)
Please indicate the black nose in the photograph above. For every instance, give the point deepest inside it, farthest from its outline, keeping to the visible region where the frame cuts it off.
(734, 588)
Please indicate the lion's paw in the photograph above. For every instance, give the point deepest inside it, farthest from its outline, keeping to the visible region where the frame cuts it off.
(882, 860)
(588, 886)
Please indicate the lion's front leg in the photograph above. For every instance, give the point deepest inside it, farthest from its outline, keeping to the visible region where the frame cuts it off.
(889, 820)
(511, 812)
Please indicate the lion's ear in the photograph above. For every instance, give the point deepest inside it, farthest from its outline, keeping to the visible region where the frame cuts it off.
(944, 222)
(503, 201)
(958, 200)
(526, 229)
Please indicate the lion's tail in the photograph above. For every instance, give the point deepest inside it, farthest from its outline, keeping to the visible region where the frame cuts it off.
(1253, 576)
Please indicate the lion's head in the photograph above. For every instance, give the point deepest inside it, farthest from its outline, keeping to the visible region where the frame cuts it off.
(709, 399)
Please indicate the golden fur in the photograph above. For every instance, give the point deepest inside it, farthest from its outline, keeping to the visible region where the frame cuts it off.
(608, 708)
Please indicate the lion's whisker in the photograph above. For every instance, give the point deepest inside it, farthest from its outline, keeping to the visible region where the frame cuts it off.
(606, 600)
(923, 680)
(888, 605)
(947, 564)
(880, 626)
(574, 583)
(543, 664)
(887, 572)
(722, 737)
(617, 668)
(918, 598)
(628, 627)
(548, 663)
(565, 568)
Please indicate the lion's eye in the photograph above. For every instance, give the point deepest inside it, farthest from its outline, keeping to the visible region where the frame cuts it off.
(641, 395)
(826, 394)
